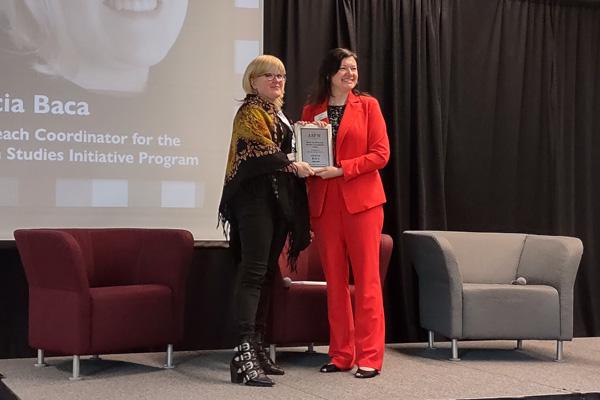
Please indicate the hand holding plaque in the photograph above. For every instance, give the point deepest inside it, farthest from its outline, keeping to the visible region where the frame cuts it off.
(314, 144)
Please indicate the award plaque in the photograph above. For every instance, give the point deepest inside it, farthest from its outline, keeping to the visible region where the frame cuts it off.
(314, 145)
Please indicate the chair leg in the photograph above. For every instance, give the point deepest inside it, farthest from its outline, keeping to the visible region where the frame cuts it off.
(169, 363)
(454, 350)
(519, 344)
(272, 351)
(559, 350)
(311, 348)
(430, 340)
(40, 359)
(76, 376)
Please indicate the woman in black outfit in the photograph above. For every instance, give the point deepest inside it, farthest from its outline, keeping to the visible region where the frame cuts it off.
(263, 202)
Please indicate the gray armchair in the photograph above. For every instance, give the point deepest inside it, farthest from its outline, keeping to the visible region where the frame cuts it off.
(468, 285)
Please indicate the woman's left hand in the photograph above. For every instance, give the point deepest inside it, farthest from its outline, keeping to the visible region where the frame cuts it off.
(328, 172)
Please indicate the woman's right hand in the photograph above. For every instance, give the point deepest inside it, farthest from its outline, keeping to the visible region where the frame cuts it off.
(304, 169)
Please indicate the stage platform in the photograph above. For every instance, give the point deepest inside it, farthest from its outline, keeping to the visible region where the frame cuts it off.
(488, 369)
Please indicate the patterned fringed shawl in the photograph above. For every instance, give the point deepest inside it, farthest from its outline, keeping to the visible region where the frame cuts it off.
(252, 141)
(254, 151)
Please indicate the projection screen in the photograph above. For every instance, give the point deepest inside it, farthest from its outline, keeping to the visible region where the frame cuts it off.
(118, 113)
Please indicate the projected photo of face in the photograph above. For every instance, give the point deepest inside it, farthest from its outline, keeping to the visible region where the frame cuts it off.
(105, 45)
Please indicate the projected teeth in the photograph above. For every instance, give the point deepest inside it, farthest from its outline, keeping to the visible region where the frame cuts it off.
(132, 5)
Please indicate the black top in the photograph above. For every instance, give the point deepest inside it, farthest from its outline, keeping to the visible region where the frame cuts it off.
(335, 113)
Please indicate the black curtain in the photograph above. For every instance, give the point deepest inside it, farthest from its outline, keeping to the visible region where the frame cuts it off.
(493, 114)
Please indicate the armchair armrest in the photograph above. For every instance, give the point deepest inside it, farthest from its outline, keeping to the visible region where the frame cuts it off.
(59, 293)
(52, 259)
(165, 257)
(440, 282)
(553, 261)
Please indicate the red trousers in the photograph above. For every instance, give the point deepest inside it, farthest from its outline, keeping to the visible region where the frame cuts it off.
(342, 237)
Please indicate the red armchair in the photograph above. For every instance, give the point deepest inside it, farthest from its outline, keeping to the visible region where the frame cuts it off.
(98, 291)
(299, 300)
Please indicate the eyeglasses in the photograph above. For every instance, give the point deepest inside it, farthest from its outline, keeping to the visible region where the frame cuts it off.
(272, 77)
(348, 69)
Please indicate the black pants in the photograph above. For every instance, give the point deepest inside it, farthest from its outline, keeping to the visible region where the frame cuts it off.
(262, 232)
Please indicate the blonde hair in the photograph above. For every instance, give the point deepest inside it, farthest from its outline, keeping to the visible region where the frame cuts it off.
(261, 65)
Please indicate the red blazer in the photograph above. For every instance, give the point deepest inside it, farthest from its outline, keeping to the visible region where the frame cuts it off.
(361, 149)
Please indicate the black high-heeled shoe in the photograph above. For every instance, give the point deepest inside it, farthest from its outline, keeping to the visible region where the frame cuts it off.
(245, 368)
(366, 373)
(331, 367)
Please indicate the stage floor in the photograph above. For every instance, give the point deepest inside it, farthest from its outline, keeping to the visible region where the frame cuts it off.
(488, 369)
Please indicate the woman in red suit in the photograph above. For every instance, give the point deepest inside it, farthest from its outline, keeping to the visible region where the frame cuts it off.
(346, 209)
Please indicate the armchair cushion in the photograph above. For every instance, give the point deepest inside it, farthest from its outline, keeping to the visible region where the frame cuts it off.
(298, 325)
(130, 317)
(510, 312)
